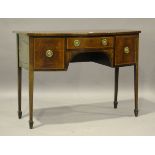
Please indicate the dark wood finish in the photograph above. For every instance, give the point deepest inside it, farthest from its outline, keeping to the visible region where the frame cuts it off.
(90, 43)
(116, 87)
(122, 58)
(31, 79)
(19, 92)
(79, 33)
(19, 80)
(90, 49)
(136, 70)
(41, 61)
(136, 88)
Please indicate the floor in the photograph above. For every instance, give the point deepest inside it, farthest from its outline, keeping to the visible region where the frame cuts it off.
(72, 114)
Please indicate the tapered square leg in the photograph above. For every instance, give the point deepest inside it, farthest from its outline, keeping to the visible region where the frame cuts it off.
(116, 87)
(19, 80)
(31, 79)
(19, 91)
(136, 89)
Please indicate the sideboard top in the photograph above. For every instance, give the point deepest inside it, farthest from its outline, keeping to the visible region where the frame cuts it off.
(78, 32)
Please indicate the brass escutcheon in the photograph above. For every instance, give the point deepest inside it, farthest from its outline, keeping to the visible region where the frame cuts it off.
(104, 41)
(76, 43)
(126, 50)
(49, 53)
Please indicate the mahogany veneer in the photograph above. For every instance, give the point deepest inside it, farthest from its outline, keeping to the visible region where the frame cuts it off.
(53, 51)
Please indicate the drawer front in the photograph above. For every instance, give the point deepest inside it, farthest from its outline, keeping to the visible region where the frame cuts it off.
(91, 42)
(126, 49)
(49, 53)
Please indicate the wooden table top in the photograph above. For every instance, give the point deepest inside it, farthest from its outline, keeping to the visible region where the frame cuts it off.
(78, 32)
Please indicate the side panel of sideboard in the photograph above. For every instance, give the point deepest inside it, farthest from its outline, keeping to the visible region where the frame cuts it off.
(24, 51)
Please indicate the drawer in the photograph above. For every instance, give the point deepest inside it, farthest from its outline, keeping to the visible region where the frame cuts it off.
(48, 53)
(90, 42)
(126, 49)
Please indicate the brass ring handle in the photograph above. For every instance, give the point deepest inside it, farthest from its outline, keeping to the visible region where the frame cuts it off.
(76, 43)
(126, 50)
(49, 53)
(104, 42)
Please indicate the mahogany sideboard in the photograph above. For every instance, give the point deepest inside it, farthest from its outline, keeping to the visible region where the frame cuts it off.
(53, 51)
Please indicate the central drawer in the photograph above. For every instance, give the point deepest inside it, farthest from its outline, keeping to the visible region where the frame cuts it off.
(90, 42)
(48, 53)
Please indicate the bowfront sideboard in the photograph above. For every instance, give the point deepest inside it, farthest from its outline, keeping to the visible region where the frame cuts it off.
(53, 51)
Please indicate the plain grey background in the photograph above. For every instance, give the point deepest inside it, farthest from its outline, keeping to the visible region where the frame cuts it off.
(90, 79)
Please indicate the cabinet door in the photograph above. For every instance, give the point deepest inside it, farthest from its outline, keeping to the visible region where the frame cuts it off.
(48, 53)
(126, 49)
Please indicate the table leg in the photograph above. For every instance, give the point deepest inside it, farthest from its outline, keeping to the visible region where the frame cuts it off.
(19, 91)
(31, 79)
(136, 88)
(116, 87)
